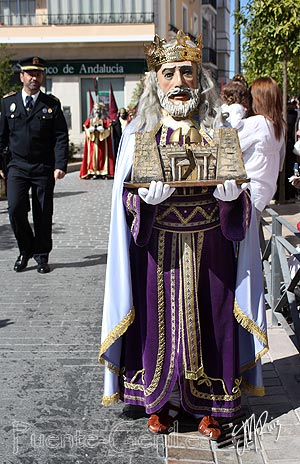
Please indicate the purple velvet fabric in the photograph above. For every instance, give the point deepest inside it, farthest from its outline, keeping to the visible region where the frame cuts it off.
(183, 273)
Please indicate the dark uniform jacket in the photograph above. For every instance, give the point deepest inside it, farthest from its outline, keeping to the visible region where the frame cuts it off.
(39, 137)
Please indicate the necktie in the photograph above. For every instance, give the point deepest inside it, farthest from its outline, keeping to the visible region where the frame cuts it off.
(29, 103)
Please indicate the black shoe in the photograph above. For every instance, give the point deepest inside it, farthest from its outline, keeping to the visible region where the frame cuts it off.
(21, 262)
(43, 268)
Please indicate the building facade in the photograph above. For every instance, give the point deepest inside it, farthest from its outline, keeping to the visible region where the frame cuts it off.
(93, 45)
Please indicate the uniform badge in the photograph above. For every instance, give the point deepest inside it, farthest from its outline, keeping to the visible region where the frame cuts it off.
(12, 107)
(49, 110)
(44, 110)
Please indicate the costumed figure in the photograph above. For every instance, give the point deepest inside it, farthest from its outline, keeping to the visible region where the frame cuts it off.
(98, 160)
(171, 326)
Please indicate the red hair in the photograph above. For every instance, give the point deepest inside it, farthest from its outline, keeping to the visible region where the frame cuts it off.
(267, 100)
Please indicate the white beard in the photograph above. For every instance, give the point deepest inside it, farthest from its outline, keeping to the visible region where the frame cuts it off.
(180, 109)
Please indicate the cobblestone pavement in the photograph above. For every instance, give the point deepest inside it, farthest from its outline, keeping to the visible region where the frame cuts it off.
(51, 382)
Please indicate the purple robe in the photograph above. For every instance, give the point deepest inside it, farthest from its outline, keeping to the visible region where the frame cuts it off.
(183, 270)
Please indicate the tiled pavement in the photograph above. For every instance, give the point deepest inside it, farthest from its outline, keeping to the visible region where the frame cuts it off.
(51, 383)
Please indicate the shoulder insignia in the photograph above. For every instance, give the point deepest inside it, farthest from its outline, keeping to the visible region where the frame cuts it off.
(52, 96)
(9, 94)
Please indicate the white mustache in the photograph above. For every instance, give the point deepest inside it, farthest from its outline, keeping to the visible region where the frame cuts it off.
(178, 90)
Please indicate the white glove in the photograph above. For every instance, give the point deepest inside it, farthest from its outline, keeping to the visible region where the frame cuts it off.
(229, 191)
(91, 129)
(157, 193)
(295, 181)
(100, 128)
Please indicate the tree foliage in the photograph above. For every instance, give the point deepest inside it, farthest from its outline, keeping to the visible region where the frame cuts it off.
(271, 34)
(137, 92)
(6, 71)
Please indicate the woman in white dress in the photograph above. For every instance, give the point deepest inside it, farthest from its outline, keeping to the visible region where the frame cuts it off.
(262, 140)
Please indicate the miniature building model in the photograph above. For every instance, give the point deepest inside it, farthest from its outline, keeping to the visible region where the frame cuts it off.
(188, 160)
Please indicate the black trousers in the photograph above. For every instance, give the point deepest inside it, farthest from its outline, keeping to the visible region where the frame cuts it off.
(36, 241)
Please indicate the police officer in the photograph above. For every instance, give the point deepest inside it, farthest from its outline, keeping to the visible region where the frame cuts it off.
(34, 132)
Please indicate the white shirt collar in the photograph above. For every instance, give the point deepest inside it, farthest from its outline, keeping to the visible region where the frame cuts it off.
(24, 95)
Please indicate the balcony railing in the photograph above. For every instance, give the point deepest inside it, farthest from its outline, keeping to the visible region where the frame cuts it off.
(69, 19)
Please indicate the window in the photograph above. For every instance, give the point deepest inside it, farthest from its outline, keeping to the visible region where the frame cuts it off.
(89, 86)
(172, 13)
(48, 86)
(98, 11)
(17, 12)
(185, 25)
(195, 25)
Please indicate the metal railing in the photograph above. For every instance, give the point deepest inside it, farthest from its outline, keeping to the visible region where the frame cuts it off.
(69, 19)
(282, 291)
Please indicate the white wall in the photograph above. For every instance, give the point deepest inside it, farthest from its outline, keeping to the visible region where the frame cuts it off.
(67, 89)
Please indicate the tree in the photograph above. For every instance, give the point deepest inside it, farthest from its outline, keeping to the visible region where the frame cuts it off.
(6, 71)
(137, 92)
(271, 47)
(271, 38)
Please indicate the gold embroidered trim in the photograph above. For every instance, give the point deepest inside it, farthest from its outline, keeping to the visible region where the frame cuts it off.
(161, 328)
(237, 389)
(211, 396)
(173, 325)
(116, 333)
(134, 398)
(110, 400)
(212, 217)
(134, 212)
(258, 391)
(258, 355)
(250, 325)
(141, 372)
(128, 199)
(111, 367)
(193, 375)
(179, 232)
(192, 322)
(161, 316)
(133, 386)
(133, 209)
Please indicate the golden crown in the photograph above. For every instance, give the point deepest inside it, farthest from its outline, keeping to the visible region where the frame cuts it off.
(159, 51)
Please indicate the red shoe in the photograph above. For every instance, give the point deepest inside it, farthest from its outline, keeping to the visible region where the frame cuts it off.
(209, 427)
(161, 421)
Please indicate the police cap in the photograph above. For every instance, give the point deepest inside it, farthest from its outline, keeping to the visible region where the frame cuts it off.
(33, 63)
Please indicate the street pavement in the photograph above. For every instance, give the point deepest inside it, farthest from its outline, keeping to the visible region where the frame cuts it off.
(50, 379)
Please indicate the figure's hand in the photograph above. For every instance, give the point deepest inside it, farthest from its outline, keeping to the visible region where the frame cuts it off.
(59, 174)
(157, 192)
(295, 181)
(229, 191)
(91, 129)
(2, 174)
(100, 128)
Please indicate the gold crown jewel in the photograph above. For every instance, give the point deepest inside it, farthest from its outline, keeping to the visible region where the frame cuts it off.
(159, 51)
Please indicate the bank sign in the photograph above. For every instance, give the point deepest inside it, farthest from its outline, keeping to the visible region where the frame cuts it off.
(92, 67)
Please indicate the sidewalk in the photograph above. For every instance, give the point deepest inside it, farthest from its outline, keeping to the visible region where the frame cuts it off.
(50, 380)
